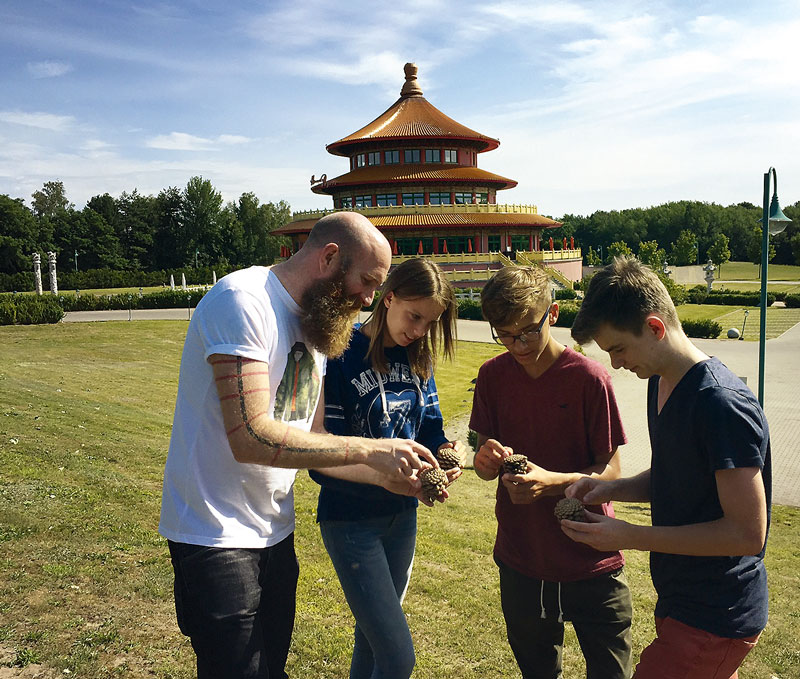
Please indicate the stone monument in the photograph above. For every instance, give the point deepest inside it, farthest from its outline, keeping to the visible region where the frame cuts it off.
(51, 265)
(37, 272)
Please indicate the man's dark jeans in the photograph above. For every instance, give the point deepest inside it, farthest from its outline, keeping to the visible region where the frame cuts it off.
(237, 606)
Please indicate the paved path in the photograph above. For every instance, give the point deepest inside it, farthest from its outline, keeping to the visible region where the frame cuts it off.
(781, 390)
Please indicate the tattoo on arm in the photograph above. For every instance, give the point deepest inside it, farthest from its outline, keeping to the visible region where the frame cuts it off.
(247, 420)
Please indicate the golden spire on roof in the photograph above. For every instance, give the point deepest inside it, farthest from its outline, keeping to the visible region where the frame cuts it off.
(411, 87)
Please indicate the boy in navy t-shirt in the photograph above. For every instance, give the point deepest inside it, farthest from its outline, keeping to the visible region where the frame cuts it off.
(709, 483)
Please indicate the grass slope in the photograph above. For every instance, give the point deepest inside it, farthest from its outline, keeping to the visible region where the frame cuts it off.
(85, 580)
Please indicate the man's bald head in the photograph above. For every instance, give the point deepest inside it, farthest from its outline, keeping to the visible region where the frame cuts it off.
(351, 231)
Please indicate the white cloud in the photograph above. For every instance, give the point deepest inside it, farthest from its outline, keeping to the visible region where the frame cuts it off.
(48, 69)
(45, 121)
(233, 139)
(179, 141)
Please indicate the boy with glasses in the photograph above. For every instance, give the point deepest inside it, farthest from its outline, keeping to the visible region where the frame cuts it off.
(555, 406)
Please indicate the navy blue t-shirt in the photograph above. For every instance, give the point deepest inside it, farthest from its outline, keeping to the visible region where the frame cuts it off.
(354, 407)
(711, 421)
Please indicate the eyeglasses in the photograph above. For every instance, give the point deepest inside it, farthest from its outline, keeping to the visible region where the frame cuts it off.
(508, 340)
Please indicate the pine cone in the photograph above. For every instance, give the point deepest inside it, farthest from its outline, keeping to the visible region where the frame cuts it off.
(434, 481)
(570, 508)
(515, 464)
(448, 458)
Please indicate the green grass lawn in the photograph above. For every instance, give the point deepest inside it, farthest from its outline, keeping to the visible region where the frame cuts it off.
(85, 580)
(744, 271)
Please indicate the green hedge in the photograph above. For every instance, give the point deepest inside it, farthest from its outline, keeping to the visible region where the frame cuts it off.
(93, 279)
(792, 301)
(470, 309)
(167, 299)
(29, 310)
(566, 314)
(704, 328)
(566, 293)
(700, 295)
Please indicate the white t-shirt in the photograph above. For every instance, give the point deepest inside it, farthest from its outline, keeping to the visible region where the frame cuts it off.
(208, 497)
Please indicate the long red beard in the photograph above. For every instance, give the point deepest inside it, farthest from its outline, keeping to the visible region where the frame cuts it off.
(329, 315)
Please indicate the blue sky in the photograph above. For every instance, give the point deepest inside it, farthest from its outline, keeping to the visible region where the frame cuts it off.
(597, 105)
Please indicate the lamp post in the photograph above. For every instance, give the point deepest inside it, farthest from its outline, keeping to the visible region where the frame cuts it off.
(773, 221)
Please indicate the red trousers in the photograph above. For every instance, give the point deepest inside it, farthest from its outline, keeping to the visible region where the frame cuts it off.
(684, 652)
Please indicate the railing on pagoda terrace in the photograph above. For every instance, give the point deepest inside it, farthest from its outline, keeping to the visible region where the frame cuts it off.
(472, 208)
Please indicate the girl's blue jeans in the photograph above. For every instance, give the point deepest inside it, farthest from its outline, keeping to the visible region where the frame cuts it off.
(373, 559)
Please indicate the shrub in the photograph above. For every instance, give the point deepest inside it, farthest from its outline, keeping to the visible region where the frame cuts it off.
(29, 310)
(704, 328)
(566, 293)
(470, 309)
(697, 294)
(792, 301)
(566, 314)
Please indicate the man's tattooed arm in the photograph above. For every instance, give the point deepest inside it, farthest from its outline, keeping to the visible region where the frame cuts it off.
(255, 437)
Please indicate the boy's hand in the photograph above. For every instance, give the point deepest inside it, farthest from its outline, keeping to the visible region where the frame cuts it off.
(525, 488)
(590, 491)
(600, 532)
(489, 459)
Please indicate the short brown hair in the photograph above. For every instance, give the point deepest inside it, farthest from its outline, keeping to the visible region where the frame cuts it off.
(513, 292)
(416, 279)
(622, 295)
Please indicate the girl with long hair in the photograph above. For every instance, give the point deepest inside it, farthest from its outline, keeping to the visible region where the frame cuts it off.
(383, 387)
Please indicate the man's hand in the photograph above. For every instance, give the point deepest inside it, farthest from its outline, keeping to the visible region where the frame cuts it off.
(525, 488)
(600, 532)
(489, 459)
(399, 457)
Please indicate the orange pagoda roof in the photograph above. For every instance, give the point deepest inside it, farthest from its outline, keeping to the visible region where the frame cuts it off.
(412, 117)
(439, 220)
(392, 174)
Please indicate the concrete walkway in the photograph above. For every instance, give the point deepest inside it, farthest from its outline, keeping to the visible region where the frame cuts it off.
(781, 390)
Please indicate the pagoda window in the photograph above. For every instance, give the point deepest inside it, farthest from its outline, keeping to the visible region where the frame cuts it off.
(363, 201)
(463, 198)
(520, 242)
(411, 156)
(433, 156)
(360, 160)
(450, 156)
(482, 197)
(494, 243)
(391, 157)
(346, 201)
(413, 199)
(439, 198)
(386, 199)
(374, 158)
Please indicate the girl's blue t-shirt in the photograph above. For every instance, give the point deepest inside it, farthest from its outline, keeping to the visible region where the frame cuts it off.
(354, 406)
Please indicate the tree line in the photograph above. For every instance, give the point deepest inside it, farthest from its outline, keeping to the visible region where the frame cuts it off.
(193, 227)
(682, 232)
(189, 227)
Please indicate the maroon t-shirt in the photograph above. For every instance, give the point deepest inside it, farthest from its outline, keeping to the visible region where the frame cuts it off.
(562, 421)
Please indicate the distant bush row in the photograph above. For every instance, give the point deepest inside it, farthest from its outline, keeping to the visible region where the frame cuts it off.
(32, 309)
(109, 278)
(700, 295)
(29, 310)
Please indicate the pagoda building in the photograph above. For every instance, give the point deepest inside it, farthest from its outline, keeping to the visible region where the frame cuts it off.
(413, 172)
